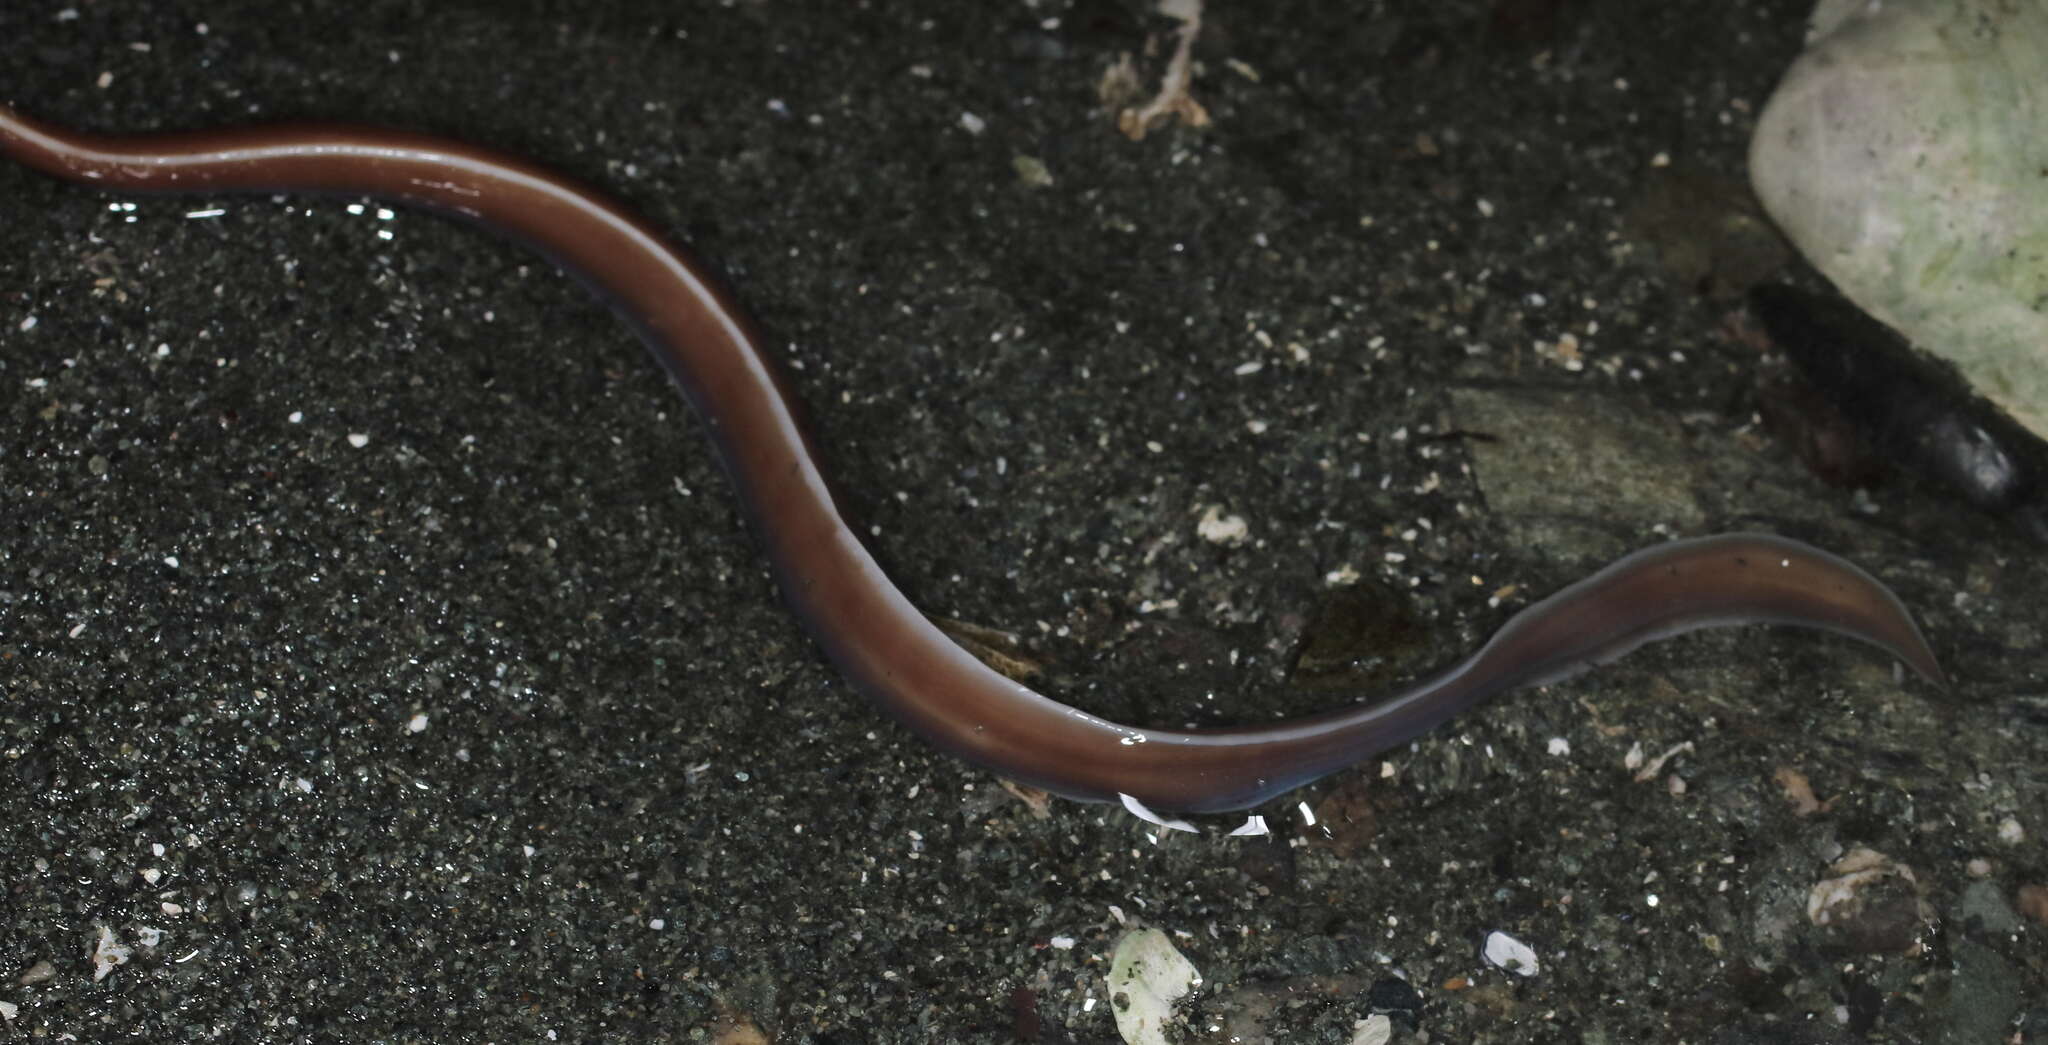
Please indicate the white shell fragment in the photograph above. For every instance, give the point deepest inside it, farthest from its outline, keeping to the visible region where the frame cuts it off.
(1143, 812)
(1146, 976)
(1375, 1029)
(107, 952)
(1253, 827)
(1506, 952)
(1218, 528)
(1902, 154)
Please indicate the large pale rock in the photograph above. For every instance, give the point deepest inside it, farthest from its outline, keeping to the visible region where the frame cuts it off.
(1906, 155)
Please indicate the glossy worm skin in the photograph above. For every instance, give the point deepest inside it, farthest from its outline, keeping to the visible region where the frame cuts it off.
(869, 629)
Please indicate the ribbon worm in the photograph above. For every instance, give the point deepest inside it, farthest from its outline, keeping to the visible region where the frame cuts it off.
(867, 627)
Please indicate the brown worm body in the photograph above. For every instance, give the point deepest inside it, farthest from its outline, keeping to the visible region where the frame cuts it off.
(869, 629)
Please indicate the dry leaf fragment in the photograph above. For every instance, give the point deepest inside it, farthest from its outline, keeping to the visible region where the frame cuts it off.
(1798, 791)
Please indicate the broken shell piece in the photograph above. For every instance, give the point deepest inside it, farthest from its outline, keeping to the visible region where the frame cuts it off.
(1146, 976)
(1871, 904)
(1506, 952)
(1902, 154)
(1253, 826)
(1145, 813)
(107, 952)
(1375, 1029)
